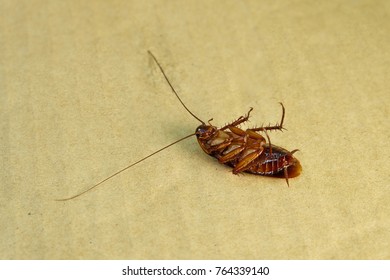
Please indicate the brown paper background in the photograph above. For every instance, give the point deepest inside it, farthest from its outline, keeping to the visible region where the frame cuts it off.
(81, 99)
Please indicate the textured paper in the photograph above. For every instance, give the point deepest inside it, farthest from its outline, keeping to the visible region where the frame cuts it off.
(80, 99)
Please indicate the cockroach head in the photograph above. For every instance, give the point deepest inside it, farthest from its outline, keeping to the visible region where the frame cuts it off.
(205, 131)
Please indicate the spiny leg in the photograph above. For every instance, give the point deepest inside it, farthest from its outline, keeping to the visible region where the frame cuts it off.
(240, 143)
(285, 171)
(269, 127)
(240, 120)
(273, 127)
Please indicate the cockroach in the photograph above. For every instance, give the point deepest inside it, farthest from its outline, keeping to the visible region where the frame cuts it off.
(243, 150)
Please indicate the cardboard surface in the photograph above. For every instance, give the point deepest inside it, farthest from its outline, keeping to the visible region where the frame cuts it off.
(80, 99)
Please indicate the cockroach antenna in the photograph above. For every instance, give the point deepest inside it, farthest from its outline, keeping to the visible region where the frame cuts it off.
(127, 167)
(173, 89)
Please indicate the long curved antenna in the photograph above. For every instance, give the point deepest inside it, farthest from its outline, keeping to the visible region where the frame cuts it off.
(127, 167)
(174, 91)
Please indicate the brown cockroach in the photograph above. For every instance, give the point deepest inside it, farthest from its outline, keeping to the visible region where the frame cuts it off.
(244, 150)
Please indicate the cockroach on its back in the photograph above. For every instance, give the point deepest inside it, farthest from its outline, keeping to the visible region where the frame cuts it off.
(244, 150)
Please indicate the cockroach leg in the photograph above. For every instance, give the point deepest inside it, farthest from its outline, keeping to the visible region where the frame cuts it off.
(273, 127)
(269, 141)
(240, 120)
(283, 113)
(286, 176)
